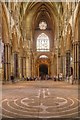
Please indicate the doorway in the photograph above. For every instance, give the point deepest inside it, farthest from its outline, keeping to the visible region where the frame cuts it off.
(43, 71)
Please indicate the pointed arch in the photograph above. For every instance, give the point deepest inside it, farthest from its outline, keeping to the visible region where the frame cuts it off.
(5, 25)
(43, 56)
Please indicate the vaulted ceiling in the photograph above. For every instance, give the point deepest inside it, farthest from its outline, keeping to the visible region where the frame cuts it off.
(37, 11)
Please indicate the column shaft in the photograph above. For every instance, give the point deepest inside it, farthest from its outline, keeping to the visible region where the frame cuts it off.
(16, 72)
(68, 63)
(76, 54)
(7, 69)
(23, 66)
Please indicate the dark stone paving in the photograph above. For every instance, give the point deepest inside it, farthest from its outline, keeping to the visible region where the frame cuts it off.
(40, 100)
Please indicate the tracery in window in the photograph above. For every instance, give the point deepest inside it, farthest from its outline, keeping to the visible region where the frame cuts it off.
(42, 25)
(43, 44)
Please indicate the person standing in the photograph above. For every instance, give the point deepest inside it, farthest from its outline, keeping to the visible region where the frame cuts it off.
(12, 78)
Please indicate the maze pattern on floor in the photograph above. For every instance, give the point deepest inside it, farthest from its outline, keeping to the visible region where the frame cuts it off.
(42, 105)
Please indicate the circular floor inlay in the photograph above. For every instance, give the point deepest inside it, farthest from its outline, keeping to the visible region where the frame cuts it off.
(42, 105)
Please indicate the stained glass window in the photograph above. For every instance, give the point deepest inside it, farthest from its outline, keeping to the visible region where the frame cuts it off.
(43, 44)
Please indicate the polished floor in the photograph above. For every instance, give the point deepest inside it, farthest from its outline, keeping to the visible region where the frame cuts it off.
(40, 99)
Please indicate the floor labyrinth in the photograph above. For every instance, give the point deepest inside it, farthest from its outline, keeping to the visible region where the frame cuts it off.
(44, 104)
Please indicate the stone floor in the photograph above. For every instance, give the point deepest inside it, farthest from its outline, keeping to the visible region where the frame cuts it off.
(40, 99)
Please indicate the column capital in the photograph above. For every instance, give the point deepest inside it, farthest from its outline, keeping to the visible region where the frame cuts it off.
(76, 42)
(15, 51)
(68, 51)
(23, 57)
(8, 44)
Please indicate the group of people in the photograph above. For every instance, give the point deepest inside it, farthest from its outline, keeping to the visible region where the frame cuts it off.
(30, 78)
(47, 77)
(44, 77)
(59, 77)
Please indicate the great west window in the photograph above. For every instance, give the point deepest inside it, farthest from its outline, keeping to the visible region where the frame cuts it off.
(43, 44)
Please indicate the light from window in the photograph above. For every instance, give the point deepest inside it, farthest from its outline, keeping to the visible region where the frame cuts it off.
(43, 56)
(42, 25)
(43, 43)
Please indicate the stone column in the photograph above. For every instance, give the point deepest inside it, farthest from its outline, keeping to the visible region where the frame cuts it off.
(64, 66)
(76, 59)
(29, 65)
(55, 64)
(19, 67)
(61, 65)
(38, 70)
(52, 66)
(16, 67)
(23, 66)
(7, 63)
(68, 63)
(33, 67)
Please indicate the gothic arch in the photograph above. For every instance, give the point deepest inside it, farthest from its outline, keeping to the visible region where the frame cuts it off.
(43, 61)
(36, 56)
(77, 23)
(5, 25)
(34, 9)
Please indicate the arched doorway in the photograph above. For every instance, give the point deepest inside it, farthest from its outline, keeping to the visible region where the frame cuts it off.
(43, 71)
